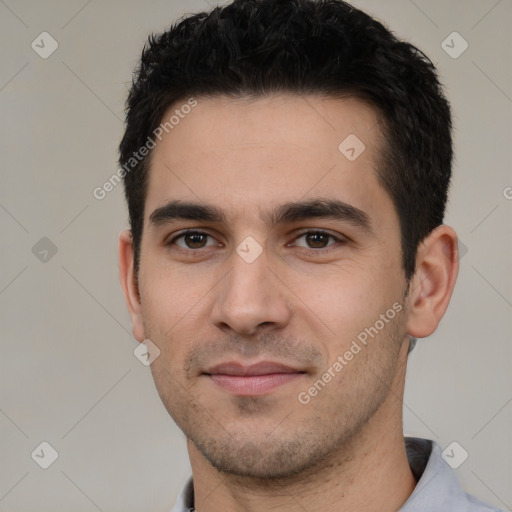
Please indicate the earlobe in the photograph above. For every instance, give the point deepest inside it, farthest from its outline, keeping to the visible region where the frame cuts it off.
(437, 266)
(129, 284)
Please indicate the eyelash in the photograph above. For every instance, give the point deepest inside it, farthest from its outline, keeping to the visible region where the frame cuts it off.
(307, 250)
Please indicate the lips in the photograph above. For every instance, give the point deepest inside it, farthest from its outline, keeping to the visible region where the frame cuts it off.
(262, 368)
(252, 380)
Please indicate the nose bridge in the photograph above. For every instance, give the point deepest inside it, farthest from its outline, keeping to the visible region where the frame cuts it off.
(250, 295)
(249, 271)
(248, 283)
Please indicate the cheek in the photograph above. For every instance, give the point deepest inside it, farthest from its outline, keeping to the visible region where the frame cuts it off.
(173, 309)
(170, 296)
(344, 301)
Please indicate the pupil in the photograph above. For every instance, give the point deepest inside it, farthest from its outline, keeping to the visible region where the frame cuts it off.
(195, 240)
(317, 240)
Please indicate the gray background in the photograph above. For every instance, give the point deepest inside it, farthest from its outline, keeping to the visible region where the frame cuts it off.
(67, 371)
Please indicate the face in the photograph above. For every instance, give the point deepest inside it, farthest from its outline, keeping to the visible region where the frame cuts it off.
(271, 280)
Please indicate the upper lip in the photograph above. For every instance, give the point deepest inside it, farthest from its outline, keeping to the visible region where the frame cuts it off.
(261, 368)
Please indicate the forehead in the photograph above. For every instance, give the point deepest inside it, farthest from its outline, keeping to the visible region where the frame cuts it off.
(245, 154)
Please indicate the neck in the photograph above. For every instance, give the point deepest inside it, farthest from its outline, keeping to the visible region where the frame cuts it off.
(369, 473)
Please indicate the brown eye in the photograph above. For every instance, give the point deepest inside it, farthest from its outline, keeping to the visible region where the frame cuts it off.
(193, 240)
(316, 240)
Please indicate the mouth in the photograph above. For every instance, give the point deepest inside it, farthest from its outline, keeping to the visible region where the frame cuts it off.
(252, 380)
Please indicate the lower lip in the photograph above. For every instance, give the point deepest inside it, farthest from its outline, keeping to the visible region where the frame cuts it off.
(253, 385)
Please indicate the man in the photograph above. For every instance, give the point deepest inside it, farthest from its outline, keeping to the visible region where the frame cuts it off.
(286, 167)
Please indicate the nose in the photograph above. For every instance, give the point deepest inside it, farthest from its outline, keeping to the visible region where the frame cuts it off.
(250, 298)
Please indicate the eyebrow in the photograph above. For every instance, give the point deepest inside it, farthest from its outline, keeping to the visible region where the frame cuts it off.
(320, 209)
(175, 210)
(286, 213)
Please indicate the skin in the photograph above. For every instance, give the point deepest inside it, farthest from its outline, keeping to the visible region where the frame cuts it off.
(301, 302)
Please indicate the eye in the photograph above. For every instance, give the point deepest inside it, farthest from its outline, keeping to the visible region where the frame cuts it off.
(316, 240)
(193, 240)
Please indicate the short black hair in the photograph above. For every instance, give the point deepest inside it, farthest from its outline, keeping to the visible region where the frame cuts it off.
(327, 47)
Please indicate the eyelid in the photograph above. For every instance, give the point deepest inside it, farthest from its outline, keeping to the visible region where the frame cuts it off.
(338, 238)
(180, 234)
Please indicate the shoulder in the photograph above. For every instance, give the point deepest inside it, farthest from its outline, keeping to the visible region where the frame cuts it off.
(438, 489)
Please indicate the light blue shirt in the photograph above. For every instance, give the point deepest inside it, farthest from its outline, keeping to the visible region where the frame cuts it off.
(437, 489)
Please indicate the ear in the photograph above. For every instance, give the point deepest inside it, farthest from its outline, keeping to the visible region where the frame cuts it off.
(437, 266)
(129, 284)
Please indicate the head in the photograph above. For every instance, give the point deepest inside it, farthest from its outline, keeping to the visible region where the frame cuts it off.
(310, 154)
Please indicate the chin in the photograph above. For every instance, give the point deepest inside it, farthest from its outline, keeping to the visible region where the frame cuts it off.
(262, 459)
